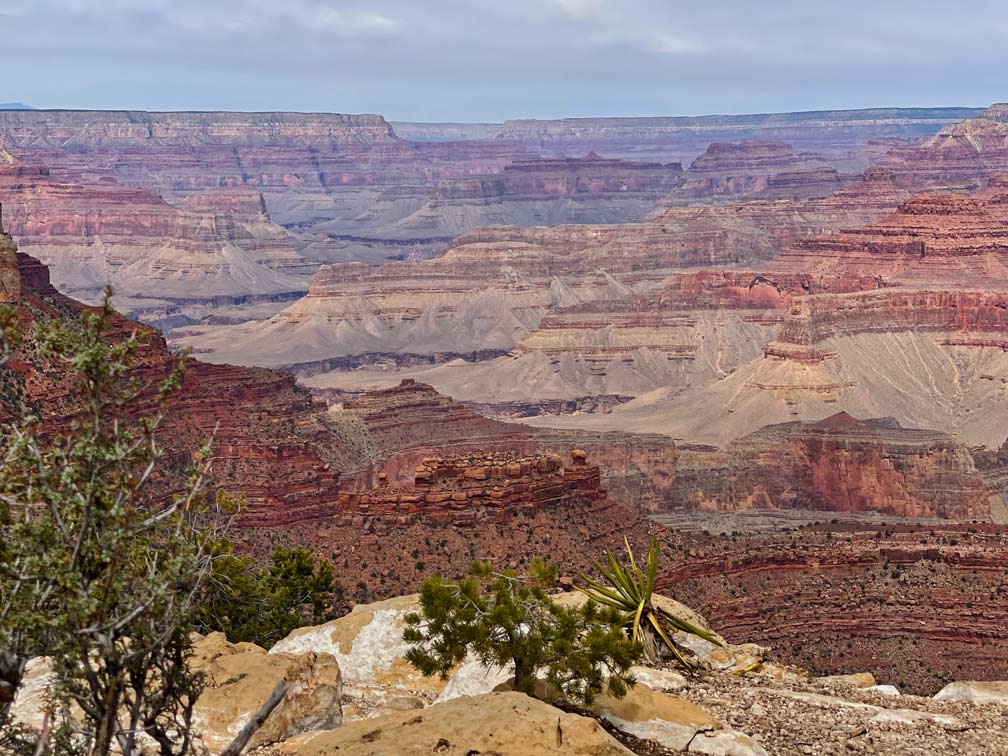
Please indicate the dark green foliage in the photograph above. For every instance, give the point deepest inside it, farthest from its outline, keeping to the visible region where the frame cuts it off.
(506, 619)
(98, 571)
(630, 590)
(263, 604)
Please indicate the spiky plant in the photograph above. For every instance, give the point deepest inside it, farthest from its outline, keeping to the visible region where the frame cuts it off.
(630, 590)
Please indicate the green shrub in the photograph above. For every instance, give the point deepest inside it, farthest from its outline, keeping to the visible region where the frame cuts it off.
(509, 620)
(264, 604)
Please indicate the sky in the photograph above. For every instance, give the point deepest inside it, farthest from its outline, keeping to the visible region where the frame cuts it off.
(490, 60)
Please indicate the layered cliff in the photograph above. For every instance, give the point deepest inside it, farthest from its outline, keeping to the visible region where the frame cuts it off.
(965, 154)
(901, 317)
(838, 464)
(683, 138)
(494, 285)
(916, 605)
(99, 232)
(94, 129)
(774, 170)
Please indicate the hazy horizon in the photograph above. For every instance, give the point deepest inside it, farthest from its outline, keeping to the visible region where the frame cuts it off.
(478, 61)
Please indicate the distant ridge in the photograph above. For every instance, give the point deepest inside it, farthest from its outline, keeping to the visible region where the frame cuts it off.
(15, 106)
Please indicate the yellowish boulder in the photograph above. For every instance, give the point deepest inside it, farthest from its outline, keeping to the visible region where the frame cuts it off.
(858, 679)
(241, 676)
(648, 714)
(507, 724)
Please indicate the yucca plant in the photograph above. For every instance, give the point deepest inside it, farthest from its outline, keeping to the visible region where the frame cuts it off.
(630, 589)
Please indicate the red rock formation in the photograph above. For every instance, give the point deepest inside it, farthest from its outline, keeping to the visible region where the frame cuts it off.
(962, 155)
(729, 170)
(838, 464)
(931, 237)
(95, 232)
(469, 490)
(915, 605)
(270, 440)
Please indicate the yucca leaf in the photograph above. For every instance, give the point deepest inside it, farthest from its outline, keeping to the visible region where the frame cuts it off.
(636, 621)
(668, 642)
(622, 579)
(604, 596)
(629, 552)
(652, 566)
(688, 627)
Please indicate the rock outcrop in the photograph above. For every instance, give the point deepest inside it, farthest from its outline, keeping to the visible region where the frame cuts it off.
(239, 678)
(94, 232)
(839, 464)
(509, 724)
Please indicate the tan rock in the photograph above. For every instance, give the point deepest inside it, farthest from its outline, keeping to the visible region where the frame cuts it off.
(32, 698)
(650, 715)
(239, 679)
(508, 724)
(858, 679)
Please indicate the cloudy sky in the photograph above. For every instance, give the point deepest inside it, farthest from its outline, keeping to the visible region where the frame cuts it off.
(487, 60)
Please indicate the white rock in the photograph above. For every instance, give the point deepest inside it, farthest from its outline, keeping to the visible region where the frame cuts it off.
(473, 679)
(885, 690)
(726, 743)
(659, 679)
(364, 653)
(992, 692)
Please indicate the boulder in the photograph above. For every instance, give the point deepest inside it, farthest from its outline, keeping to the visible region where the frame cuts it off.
(978, 692)
(884, 690)
(507, 724)
(241, 676)
(858, 680)
(726, 743)
(650, 715)
(369, 647)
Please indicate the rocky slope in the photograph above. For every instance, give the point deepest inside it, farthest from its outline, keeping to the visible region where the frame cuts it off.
(406, 461)
(493, 287)
(901, 318)
(219, 246)
(917, 605)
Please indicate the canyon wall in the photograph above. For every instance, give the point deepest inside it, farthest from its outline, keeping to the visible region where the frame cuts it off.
(838, 464)
(682, 138)
(916, 605)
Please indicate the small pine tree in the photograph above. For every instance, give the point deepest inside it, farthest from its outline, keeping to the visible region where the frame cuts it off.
(509, 620)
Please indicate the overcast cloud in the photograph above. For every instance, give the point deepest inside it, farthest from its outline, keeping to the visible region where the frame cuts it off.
(488, 60)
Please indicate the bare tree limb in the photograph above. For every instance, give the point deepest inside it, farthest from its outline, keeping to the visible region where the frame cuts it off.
(239, 743)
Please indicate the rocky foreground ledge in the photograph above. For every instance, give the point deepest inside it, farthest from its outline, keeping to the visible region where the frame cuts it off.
(351, 693)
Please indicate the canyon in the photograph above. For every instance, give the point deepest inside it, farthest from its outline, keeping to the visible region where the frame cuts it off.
(421, 344)
(348, 188)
